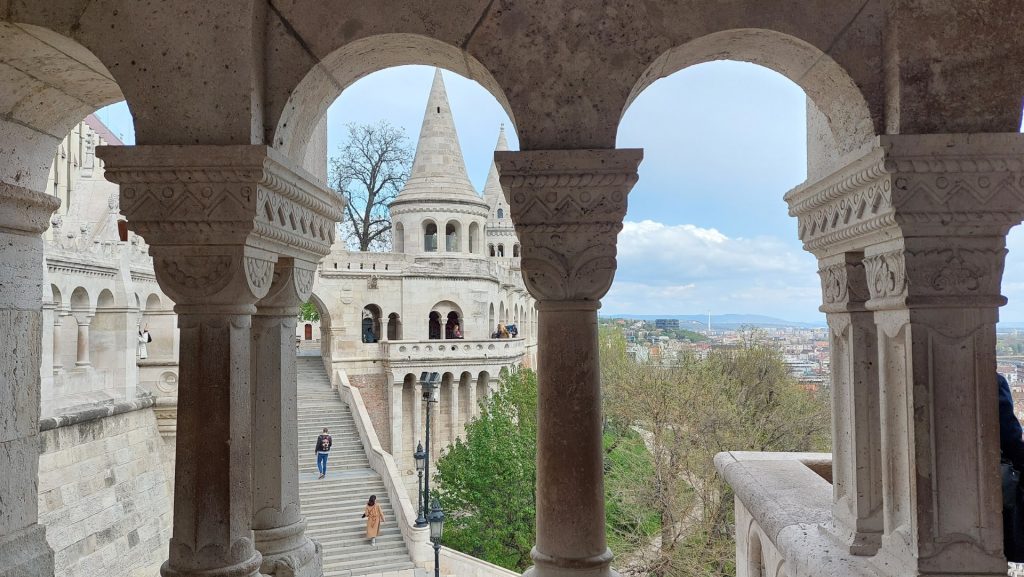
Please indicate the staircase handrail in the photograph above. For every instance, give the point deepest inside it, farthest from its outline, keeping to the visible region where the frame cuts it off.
(416, 539)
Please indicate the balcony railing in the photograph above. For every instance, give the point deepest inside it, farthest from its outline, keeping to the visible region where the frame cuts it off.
(485, 350)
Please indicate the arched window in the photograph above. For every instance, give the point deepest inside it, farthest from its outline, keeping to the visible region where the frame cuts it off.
(490, 248)
(474, 238)
(501, 213)
(453, 326)
(429, 237)
(434, 326)
(399, 240)
(515, 250)
(451, 236)
(490, 318)
(501, 250)
(394, 327)
(370, 327)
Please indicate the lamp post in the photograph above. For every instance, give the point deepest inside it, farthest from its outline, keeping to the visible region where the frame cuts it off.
(436, 533)
(421, 460)
(428, 381)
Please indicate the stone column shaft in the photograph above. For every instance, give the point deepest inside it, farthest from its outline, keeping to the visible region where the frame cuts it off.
(82, 351)
(856, 431)
(278, 524)
(58, 347)
(24, 215)
(568, 207)
(455, 410)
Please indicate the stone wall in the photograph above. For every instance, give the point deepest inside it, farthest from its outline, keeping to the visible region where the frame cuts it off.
(373, 388)
(103, 491)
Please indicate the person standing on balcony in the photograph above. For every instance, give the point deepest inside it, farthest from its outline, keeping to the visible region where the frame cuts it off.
(374, 517)
(323, 448)
(1011, 448)
(144, 339)
(456, 332)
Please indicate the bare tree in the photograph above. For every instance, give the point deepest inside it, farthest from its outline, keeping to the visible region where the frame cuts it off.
(369, 171)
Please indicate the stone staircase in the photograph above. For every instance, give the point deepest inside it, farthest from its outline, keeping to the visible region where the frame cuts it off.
(333, 505)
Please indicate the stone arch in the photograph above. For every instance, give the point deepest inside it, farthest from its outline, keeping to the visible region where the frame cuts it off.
(325, 324)
(394, 327)
(410, 405)
(153, 302)
(515, 250)
(474, 238)
(429, 236)
(56, 297)
(490, 318)
(68, 82)
(399, 237)
(453, 326)
(465, 406)
(755, 554)
(501, 250)
(502, 313)
(453, 236)
(847, 115)
(490, 249)
(80, 300)
(483, 381)
(325, 80)
(434, 322)
(369, 326)
(445, 410)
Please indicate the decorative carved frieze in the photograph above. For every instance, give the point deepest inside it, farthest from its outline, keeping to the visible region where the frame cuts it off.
(568, 207)
(223, 195)
(843, 284)
(913, 185)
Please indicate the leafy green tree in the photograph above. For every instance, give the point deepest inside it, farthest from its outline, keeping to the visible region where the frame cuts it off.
(487, 482)
(308, 312)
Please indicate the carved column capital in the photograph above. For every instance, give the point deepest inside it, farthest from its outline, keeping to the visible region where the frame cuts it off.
(915, 185)
(292, 285)
(843, 284)
(568, 206)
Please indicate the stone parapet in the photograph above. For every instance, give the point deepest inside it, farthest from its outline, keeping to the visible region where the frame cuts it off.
(438, 353)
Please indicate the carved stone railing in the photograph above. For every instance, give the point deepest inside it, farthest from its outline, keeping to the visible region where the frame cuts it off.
(416, 540)
(783, 507)
(499, 351)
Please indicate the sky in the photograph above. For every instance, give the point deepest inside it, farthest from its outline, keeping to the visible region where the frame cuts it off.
(706, 229)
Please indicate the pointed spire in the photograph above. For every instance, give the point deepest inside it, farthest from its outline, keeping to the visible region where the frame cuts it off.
(494, 196)
(438, 170)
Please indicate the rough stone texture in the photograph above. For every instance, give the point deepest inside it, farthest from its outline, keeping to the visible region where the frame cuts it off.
(373, 388)
(103, 493)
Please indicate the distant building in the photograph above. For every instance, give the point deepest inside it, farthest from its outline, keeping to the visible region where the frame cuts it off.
(665, 324)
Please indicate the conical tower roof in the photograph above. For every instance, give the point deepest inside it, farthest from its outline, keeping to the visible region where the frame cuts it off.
(438, 170)
(494, 196)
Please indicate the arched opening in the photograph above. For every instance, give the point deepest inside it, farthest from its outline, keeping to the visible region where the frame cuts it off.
(453, 326)
(411, 435)
(483, 382)
(501, 213)
(451, 236)
(491, 326)
(370, 327)
(399, 237)
(501, 250)
(434, 326)
(474, 238)
(515, 250)
(490, 250)
(394, 327)
(429, 236)
(465, 401)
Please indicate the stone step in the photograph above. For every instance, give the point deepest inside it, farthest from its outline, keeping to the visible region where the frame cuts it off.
(378, 570)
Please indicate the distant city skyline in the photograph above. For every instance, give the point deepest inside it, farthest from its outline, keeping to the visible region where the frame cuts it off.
(706, 229)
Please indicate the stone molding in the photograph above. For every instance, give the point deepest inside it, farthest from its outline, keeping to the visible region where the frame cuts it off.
(935, 184)
(25, 211)
(568, 207)
(843, 284)
(85, 414)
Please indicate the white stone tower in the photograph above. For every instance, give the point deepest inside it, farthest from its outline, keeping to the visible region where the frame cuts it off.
(502, 241)
(438, 210)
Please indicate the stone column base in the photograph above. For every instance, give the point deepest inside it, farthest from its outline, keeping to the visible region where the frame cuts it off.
(547, 566)
(26, 553)
(287, 552)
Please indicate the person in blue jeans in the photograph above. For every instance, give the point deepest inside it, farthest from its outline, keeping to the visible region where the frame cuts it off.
(323, 448)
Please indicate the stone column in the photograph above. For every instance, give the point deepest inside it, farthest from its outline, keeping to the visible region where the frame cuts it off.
(210, 215)
(24, 215)
(397, 418)
(568, 206)
(417, 415)
(455, 409)
(82, 353)
(58, 348)
(930, 214)
(278, 523)
(856, 431)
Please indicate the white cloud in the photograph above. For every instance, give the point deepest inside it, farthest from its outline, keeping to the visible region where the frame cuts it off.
(686, 269)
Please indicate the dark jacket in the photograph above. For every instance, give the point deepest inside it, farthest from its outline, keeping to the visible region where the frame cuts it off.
(320, 439)
(1011, 445)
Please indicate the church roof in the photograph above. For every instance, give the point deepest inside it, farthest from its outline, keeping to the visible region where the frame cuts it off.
(438, 170)
(493, 194)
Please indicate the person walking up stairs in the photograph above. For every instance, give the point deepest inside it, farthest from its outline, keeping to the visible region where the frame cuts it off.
(333, 506)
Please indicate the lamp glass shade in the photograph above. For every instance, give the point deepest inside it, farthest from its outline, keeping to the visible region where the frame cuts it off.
(436, 520)
(421, 457)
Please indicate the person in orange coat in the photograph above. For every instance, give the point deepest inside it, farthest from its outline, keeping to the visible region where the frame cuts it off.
(374, 517)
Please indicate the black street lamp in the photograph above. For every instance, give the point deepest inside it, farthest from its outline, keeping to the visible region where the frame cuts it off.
(429, 383)
(436, 533)
(421, 461)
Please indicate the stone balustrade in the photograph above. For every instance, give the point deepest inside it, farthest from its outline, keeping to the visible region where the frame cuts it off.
(419, 352)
